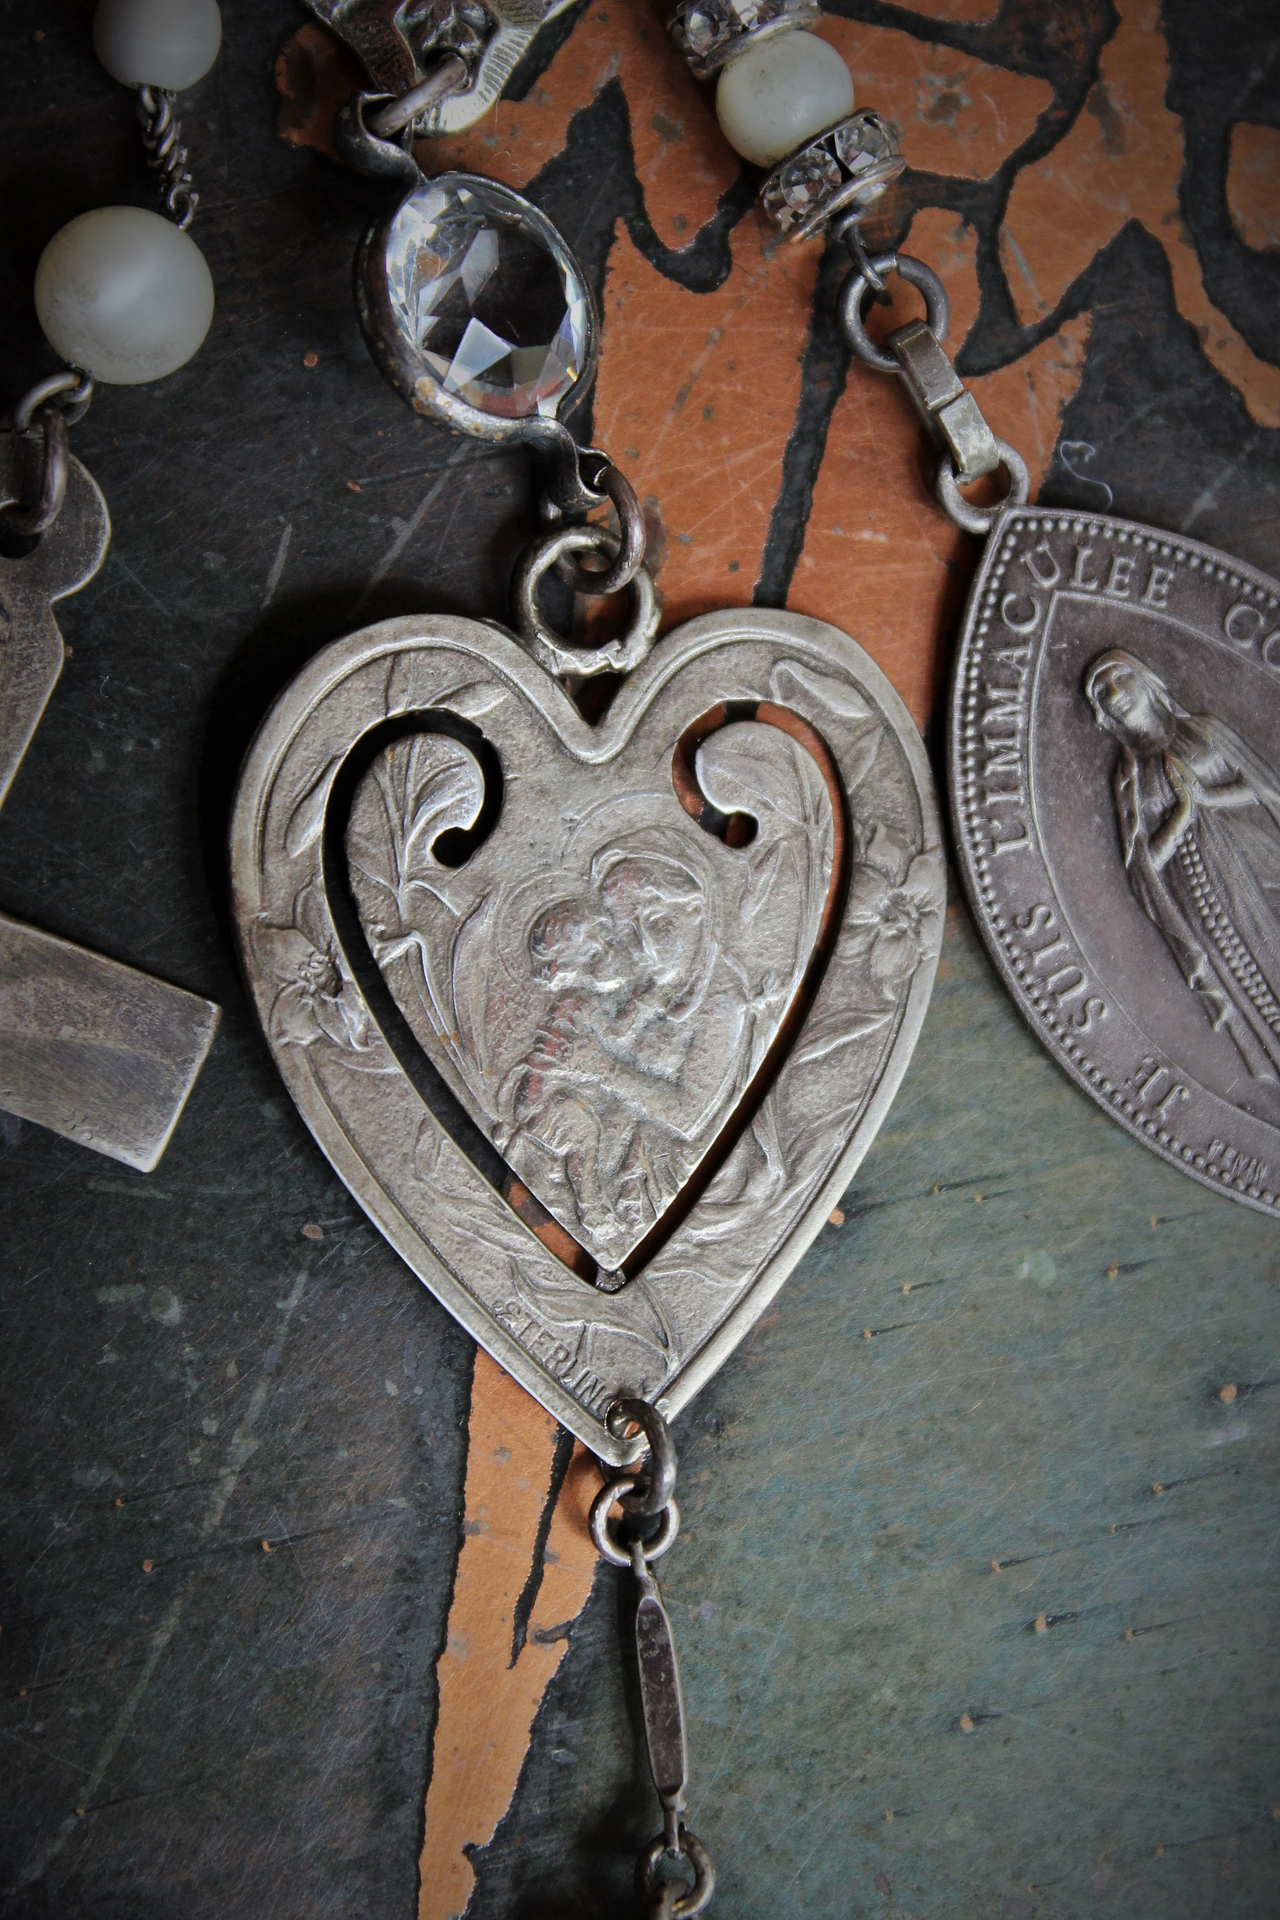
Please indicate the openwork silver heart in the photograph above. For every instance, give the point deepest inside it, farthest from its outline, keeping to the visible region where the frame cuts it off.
(596, 1022)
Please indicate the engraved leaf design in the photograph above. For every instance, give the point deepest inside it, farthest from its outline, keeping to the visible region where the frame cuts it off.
(837, 1034)
(470, 983)
(416, 790)
(571, 1304)
(473, 701)
(561, 1300)
(307, 818)
(824, 689)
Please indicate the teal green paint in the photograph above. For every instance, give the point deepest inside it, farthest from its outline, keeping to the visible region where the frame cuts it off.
(1056, 1358)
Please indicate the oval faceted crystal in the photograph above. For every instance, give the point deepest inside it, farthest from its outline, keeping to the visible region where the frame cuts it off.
(484, 290)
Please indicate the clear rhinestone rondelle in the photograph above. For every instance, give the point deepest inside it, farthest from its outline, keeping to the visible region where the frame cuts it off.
(493, 302)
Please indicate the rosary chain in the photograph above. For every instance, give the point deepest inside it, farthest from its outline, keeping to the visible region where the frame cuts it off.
(643, 1494)
(831, 176)
(161, 132)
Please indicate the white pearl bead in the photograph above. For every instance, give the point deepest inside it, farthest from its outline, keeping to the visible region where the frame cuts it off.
(780, 93)
(124, 294)
(157, 43)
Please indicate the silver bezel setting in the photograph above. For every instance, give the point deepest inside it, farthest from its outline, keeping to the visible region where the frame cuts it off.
(406, 368)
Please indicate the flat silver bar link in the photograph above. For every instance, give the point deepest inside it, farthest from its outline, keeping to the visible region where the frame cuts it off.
(953, 418)
(640, 1495)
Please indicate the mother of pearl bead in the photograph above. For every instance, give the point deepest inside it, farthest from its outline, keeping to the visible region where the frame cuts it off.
(124, 294)
(780, 93)
(157, 43)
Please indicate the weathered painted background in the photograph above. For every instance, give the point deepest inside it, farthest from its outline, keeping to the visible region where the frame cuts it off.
(977, 1588)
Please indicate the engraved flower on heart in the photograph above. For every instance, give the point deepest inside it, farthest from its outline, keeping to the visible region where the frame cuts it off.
(315, 999)
(895, 902)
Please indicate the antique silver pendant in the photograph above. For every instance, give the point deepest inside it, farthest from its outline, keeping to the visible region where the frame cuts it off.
(1114, 738)
(92, 1049)
(596, 1022)
(1115, 733)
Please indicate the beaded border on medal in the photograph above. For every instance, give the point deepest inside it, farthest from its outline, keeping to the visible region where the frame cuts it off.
(785, 101)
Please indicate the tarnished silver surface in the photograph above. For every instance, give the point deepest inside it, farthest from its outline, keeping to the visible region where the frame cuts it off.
(970, 450)
(870, 276)
(161, 133)
(943, 402)
(97, 1051)
(680, 1044)
(31, 650)
(626, 650)
(1115, 739)
(400, 42)
(90, 1048)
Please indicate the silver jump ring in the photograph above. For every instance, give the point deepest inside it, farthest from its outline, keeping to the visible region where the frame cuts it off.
(548, 647)
(656, 1481)
(980, 520)
(71, 387)
(602, 1506)
(857, 288)
(704, 1874)
(615, 485)
(43, 503)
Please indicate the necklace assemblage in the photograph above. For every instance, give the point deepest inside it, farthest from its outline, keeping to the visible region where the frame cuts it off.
(591, 1017)
(596, 1017)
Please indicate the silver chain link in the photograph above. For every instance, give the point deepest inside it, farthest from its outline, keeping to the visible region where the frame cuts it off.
(639, 1495)
(42, 417)
(970, 450)
(588, 481)
(161, 132)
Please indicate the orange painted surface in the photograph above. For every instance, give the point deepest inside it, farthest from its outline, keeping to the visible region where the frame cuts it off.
(487, 1700)
(1253, 184)
(696, 397)
(696, 400)
(958, 114)
(1121, 161)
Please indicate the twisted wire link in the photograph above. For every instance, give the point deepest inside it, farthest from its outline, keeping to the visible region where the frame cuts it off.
(161, 132)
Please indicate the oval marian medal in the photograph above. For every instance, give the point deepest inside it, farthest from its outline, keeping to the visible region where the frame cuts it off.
(1115, 738)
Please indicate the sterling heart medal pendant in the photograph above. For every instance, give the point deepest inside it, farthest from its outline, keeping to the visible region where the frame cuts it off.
(595, 1017)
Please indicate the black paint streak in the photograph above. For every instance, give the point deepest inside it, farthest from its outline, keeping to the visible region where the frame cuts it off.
(523, 1609)
(591, 184)
(824, 371)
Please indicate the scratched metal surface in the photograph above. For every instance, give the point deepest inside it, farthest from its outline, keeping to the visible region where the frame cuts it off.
(186, 1374)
